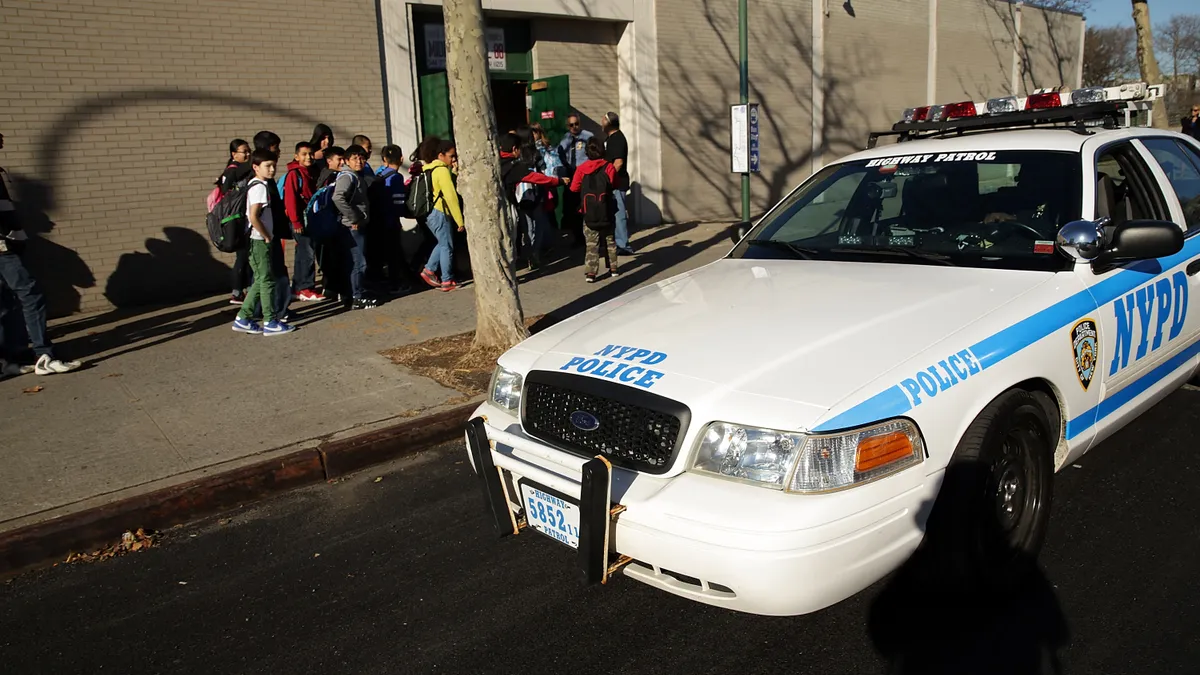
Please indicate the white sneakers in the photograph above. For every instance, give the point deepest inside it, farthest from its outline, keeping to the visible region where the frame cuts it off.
(51, 366)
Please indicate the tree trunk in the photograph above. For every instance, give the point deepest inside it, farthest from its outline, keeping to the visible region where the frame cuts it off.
(499, 321)
(1146, 61)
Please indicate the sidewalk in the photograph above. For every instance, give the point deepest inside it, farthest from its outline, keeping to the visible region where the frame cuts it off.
(172, 394)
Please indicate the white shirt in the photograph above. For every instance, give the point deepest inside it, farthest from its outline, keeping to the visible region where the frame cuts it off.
(258, 195)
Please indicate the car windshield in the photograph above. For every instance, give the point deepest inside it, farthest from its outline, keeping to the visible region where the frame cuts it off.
(998, 209)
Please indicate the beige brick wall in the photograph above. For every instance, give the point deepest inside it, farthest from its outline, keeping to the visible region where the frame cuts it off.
(117, 116)
(876, 56)
(587, 52)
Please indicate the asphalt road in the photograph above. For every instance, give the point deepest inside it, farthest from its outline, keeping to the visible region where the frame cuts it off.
(399, 576)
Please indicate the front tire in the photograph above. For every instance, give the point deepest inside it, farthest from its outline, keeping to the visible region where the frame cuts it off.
(991, 515)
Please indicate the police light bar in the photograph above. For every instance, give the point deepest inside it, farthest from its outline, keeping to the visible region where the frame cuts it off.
(1042, 99)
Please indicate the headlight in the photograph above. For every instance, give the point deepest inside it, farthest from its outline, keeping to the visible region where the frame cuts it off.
(808, 463)
(506, 389)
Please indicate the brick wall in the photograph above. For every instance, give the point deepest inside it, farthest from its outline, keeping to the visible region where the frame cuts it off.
(117, 116)
(587, 52)
(875, 66)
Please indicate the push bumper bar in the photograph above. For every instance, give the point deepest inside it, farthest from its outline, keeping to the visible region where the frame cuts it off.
(596, 511)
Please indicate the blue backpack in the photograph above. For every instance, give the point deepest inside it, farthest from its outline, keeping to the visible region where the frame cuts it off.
(280, 181)
(321, 217)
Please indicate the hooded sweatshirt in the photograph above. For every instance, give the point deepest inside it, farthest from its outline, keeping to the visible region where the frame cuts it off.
(445, 194)
(350, 198)
(297, 190)
(592, 166)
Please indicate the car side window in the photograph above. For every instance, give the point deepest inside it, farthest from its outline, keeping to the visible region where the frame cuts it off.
(1125, 190)
(1182, 166)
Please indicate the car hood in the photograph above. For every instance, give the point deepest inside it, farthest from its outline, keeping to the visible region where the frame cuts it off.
(808, 332)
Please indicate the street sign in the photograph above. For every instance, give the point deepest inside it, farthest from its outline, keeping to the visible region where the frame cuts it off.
(743, 138)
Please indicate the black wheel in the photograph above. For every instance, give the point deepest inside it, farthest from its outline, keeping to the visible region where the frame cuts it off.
(991, 515)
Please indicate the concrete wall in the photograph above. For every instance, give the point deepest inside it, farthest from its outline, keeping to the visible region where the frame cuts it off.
(587, 52)
(826, 78)
(975, 50)
(117, 116)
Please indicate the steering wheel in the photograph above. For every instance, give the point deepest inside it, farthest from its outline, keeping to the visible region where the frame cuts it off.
(1026, 229)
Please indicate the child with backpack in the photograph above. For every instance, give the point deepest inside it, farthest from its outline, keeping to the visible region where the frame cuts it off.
(523, 182)
(594, 181)
(350, 199)
(437, 195)
(236, 170)
(387, 196)
(263, 243)
(298, 189)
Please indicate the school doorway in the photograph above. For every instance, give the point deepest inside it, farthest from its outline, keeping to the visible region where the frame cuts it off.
(508, 100)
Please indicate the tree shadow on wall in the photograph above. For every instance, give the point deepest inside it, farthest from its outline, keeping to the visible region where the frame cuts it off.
(180, 267)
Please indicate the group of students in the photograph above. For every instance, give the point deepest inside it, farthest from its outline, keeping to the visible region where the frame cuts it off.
(363, 257)
(360, 259)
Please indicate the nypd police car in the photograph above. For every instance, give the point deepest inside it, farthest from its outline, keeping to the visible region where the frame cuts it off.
(903, 350)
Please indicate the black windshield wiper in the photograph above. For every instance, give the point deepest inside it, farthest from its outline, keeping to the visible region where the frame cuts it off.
(798, 251)
(930, 257)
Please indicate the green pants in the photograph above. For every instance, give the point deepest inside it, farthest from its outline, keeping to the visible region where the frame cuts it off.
(263, 288)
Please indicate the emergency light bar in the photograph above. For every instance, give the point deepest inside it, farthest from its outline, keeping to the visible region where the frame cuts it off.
(1044, 107)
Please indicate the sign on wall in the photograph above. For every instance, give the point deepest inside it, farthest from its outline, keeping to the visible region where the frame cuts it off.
(435, 47)
(743, 138)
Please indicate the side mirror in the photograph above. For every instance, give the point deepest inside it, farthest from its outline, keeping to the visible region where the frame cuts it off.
(1142, 240)
(738, 231)
(1082, 239)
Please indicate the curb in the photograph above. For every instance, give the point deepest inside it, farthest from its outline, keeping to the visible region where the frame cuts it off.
(40, 543)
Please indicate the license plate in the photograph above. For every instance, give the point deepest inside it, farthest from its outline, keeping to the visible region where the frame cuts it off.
(551, 513)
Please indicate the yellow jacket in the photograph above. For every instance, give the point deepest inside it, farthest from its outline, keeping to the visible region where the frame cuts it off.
(445, 196)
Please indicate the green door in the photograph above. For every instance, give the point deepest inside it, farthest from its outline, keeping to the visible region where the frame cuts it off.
(435, 106)
(550, 104)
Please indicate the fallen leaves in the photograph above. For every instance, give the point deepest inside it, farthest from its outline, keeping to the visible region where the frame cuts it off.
(378, 478)
(131, 542)
(32, 390)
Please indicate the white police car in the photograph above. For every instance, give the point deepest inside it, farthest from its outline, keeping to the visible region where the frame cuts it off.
(912, 341)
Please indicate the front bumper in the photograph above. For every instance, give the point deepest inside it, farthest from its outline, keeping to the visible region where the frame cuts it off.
(715, 541)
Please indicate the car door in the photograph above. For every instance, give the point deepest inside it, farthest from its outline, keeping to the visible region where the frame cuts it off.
(1178, 160)
(1142, 313)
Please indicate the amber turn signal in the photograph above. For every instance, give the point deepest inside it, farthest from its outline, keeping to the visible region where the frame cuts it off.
(881, 450)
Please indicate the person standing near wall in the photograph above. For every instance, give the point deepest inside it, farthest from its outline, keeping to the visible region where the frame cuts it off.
(237, 169)
(15, 278)
(616, 151)
(322, 140)
(572, 150)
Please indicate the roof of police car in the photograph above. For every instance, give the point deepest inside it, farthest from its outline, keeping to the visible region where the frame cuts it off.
(1058, 139)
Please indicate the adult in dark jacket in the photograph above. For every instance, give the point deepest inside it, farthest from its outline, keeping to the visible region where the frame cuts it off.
(1191, 123)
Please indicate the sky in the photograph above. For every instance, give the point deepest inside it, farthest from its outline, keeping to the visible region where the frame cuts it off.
(1120, 12)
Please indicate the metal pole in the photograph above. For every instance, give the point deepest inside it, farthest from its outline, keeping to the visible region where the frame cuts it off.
(743, 67)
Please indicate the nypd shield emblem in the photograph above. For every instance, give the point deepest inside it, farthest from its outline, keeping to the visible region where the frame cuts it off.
(1087, 351)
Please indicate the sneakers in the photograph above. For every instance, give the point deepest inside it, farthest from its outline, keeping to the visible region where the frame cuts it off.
(590, 278)
(626, 250)
(448, 286)
(307, 295)
(46, 365)
(241, 325)
(430, 278)
(364, 303)
(237, 299)
(277, 328)
(614, 273)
